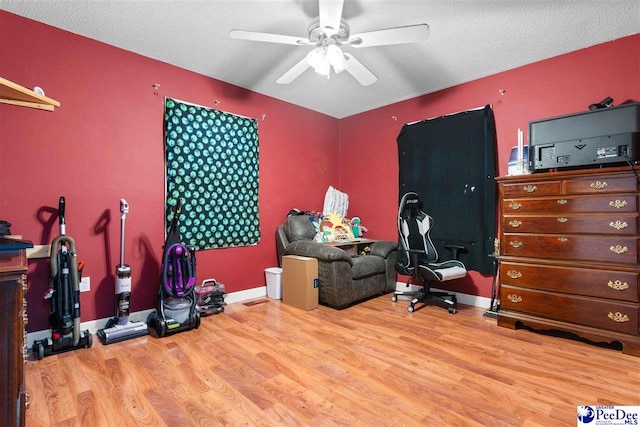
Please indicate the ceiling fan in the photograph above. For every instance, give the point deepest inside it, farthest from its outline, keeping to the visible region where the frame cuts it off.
(328, 33)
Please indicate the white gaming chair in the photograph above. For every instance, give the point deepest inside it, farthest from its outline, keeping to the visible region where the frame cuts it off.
(417, 257)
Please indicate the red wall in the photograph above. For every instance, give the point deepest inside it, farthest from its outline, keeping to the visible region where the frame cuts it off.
(557, 86)
(105, 142)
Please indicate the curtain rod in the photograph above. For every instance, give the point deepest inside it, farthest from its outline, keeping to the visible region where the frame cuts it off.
(210, 108)
(451, 114)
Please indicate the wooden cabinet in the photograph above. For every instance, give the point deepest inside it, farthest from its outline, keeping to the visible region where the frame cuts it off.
(569, 256)
(13, 317)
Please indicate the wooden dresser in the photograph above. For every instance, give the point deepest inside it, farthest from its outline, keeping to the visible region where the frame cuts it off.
(13, 316)
(569, 253)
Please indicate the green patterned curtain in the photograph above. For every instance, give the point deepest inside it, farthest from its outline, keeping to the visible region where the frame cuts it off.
(212, 167)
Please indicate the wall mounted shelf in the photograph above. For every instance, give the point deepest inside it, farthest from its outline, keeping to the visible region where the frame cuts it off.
(14, 94)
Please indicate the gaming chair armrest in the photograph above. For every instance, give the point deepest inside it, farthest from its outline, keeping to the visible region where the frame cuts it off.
(317, 250)
(413, 253)
(383, 248)
(456, 249)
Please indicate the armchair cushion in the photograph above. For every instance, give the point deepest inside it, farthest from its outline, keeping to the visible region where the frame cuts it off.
(367, 265)
(383, 248)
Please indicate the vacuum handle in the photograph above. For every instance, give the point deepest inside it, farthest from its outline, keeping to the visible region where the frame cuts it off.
(176, 215)
(124, 209)
(61, 205)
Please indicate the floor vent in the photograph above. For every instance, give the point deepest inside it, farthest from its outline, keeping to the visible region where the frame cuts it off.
(255, 302)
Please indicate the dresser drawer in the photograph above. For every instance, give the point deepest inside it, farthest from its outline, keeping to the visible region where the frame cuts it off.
(529, 189)
(615, 224)
(613, 249)
(575, 204)
(599, 313)
(602, 184)
(611, 284)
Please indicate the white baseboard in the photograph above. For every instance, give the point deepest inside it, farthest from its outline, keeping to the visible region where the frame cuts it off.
(466, 299)
(246, 295)
(92, 325)
(235, 297)
(141, 316)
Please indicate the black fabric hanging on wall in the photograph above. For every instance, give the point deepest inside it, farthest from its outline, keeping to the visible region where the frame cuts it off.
(450, 162)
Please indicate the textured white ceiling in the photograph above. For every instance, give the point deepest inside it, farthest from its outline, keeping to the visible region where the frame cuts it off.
(469, 39)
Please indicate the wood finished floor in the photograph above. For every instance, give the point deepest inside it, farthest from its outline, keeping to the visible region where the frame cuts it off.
(374, 364)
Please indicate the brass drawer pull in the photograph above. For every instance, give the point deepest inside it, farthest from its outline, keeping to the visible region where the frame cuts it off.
(618, 285)
(599, 185)
(515, 223)
(618, 204)
(618, 225)
(619, 249)
(530, 188)
(562, 239)
(514, 298)
(514, 274)
(618, 317)
(562, 201)
(515, 205)
(515, 243)
(562, 220)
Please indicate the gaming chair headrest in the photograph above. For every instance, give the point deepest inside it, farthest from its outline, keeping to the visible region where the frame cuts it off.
(410, 202)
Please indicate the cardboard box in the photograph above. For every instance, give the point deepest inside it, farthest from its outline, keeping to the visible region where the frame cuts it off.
(300, 281)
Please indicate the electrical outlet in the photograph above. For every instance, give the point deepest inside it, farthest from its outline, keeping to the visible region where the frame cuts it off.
(85, 284)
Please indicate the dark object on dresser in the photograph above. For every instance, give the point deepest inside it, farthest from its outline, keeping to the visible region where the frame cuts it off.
(344, 279)
(596, 137)
(569, 254)
(5, 228)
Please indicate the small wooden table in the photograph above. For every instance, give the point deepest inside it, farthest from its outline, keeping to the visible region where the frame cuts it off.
(351, 246)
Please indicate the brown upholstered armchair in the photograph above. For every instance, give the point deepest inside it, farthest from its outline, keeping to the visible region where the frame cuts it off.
(343, 279)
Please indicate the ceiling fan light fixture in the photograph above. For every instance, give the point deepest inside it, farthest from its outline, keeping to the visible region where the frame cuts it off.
(322, 58)
(336, 58)
(316, 57)
(323, 69)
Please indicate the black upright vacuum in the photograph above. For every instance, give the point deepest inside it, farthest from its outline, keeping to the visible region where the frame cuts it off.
(120, 328)
(64, 297)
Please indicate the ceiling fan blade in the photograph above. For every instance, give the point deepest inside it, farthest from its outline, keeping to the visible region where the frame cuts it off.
(359, 71)
(330, 15)
(294, 72)
(398, 35)
(268, 37)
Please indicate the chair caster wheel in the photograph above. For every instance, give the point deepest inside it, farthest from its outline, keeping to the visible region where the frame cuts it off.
(410, 309)
(40, 351)
(394, 298)
(452, 310)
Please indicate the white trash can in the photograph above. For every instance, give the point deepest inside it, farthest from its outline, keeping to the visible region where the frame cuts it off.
(274, 282)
